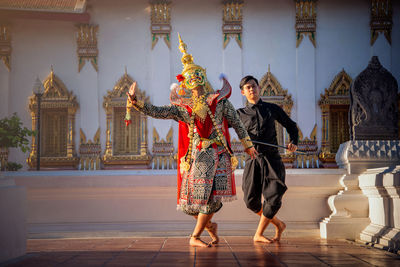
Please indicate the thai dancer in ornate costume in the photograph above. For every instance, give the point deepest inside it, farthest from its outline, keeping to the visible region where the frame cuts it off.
(205, 172)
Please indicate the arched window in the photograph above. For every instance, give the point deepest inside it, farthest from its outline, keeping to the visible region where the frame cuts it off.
(334, 104)
(57, 126)
(126, 146)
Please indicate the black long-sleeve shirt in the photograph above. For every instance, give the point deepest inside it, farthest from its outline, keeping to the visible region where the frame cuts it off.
(259, 121)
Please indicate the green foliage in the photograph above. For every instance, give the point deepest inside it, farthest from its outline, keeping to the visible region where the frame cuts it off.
(12, 134)
(13, 166)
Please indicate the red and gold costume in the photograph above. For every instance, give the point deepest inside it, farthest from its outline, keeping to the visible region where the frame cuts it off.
(206, 162)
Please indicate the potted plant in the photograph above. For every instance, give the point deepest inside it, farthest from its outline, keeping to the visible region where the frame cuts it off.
(13, 134)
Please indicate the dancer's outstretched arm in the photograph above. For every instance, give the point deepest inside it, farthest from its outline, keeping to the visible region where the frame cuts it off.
(174, 112)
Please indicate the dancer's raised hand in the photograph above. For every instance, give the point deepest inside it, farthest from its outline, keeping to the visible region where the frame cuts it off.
(131, 92)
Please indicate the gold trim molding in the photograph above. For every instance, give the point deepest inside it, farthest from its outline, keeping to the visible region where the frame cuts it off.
(232, 22)
(113, 103)
(86, 38)
(381, 19)
(160, 22)
(55, 96)
(306, 20)
(5, 45)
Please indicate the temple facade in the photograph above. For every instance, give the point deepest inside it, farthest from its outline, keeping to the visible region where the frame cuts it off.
(86, 54)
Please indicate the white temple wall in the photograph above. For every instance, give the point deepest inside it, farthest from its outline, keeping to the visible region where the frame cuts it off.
(124, 39)
(36, 46)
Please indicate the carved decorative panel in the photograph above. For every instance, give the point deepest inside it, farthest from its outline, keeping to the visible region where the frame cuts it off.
(86, 38)
(232, 21)
(381, 19)
(163, 151)
(334, 104)
(272, 91)
(90, 152)
(126, 146)
(57, 127)
(160, 22)
(306, 20)
(310, 147)
(5, 45)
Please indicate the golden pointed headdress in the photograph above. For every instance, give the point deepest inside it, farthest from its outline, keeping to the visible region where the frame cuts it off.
(192, 75)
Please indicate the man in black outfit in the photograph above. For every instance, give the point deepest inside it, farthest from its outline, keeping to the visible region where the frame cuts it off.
(265, 175)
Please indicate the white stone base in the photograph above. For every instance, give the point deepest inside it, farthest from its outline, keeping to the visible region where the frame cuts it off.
(347, 228)
(12, 220)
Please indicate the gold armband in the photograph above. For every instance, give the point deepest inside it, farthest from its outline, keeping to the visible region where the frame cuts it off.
(246, 142)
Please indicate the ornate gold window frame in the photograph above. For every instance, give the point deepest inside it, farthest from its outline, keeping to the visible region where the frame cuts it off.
(5, 45)
(115, 103)
(56, 98)
(333, 102)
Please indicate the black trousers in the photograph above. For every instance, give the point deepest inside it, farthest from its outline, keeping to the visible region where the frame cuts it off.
(262, 177)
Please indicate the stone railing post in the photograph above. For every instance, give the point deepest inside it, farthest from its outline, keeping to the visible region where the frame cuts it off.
(350, 206)
(382, 187)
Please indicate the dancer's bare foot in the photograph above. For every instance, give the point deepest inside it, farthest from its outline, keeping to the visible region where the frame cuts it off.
(278, 231)
(261, 238)
(195, 241)
(212, 231)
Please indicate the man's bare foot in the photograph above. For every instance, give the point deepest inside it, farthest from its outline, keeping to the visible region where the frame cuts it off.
(195, 241)
(261, 238)
(212, 231)
(278, 231)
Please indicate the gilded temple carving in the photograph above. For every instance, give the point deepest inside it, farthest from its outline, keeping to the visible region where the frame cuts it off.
(86, 38)
(308, 145)
(160, 22)
(381, 19)
(125, 145)
(334, 104)
(5, 46)
(89, 151)
(163, 151)
(57, 125)
(232, 21)
(306, 20)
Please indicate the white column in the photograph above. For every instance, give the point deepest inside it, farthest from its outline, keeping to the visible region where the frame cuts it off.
(89, 108)
(383, 50)
(4, 90)
(381, 187)
(160, 82)
(232, 67)
(305, 86)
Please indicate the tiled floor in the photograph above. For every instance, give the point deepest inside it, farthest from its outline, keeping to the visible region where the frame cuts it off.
(175, 251)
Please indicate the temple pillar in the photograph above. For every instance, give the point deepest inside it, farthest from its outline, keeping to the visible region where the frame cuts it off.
(305, 85)
(160, 82)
